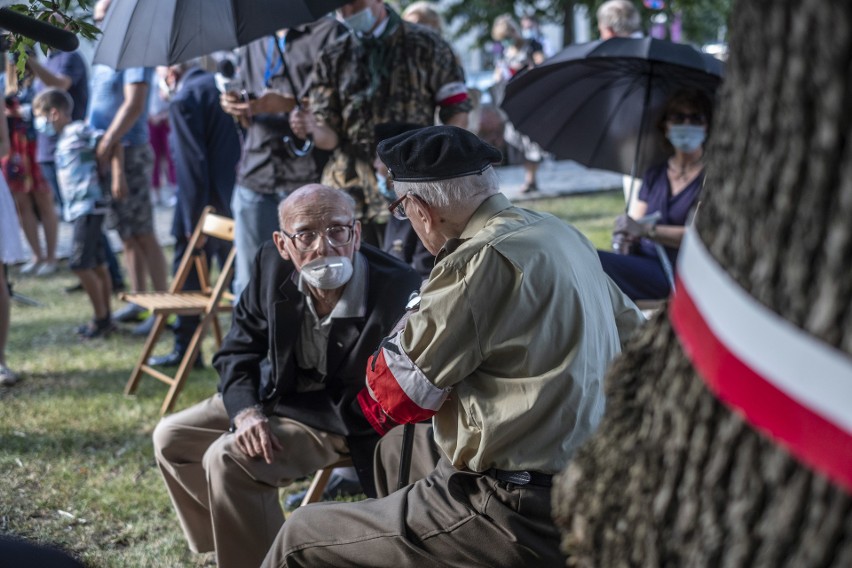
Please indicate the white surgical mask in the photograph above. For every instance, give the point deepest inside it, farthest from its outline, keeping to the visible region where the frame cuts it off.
(361, 22)
(42, 126)
(686, 137)
(327, 272)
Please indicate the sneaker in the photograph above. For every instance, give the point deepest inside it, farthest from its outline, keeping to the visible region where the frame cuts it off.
(78, 287)
(30, 266)
(7, 377)
(46, 269)
(96, 328)
(130, 313)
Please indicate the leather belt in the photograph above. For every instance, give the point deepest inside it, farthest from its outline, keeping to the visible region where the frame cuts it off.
(521, 477)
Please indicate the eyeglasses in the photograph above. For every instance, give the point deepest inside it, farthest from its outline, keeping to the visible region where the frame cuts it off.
(396, 208)
(687, 117)
(335, 236)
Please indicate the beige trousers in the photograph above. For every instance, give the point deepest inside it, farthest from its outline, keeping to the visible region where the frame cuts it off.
(449, 518)
(225, 500)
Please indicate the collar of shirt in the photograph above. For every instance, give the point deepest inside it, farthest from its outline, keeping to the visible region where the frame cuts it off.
(380, 29)
(353, 302)
(486, 210)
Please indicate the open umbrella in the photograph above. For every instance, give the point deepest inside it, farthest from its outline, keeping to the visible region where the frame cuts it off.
(598, 103)
(144, 33)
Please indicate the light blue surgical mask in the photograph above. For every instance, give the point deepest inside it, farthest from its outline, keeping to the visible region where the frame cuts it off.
(686, 137)
(361, 22)
(384, 190)
(42, 126)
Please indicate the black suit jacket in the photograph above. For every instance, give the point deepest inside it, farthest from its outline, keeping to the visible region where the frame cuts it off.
(205, 147)
(257, 363)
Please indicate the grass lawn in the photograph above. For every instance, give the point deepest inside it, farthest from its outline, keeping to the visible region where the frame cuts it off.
(76, 463)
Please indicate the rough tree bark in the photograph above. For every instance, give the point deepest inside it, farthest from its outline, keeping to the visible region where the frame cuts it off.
(673, 477)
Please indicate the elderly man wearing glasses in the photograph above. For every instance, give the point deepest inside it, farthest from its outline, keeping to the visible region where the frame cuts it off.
(506, 355)
(317, 305)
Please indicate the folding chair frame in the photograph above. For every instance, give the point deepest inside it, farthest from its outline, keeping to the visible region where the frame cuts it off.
(206, 304)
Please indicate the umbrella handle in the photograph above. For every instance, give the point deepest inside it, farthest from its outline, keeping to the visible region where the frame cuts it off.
(294, 150)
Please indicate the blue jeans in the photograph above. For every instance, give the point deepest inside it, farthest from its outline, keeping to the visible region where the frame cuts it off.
(255, 219)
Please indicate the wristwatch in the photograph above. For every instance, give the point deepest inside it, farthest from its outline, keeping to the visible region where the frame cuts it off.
(652, 232)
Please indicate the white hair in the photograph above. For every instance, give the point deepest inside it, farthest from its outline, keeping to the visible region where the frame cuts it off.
(447, 192)
(620, 15)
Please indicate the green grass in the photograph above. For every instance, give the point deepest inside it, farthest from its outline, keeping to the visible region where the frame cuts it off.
(76, 463)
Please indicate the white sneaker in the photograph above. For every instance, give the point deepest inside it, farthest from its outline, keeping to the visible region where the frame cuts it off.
(46, 269)
(7, 377)
(30, 266)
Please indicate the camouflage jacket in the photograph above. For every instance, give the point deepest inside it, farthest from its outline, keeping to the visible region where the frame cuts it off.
(401, 76)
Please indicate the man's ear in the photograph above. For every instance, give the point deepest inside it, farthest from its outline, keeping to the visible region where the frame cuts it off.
(281, 244)
(357, 235)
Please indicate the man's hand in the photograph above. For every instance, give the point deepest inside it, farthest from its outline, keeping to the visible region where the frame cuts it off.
(105, 149)
(119, 187)
(254, 436)
(625, 224)
(302, 123)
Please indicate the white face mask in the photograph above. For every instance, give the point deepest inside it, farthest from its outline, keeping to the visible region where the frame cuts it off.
(327, 272)
(361, 22)
(382, 184)
(42, 126)
(686, 137)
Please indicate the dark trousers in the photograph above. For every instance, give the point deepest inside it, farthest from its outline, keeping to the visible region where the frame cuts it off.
(214, 249)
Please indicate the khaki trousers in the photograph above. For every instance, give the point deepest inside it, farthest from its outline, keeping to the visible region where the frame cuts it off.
(225, 500)
(449, 518)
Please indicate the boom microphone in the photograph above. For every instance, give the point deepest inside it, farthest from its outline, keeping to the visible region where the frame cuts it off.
(39, 31)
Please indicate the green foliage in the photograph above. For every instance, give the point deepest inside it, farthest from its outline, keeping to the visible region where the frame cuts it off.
(702, 19)
(72, 15)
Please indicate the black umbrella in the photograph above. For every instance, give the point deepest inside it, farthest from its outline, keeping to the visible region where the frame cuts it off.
(145, 33)
(598, 103)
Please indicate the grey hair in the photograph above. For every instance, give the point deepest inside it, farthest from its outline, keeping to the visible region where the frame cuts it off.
(446, 192)
(620, 15)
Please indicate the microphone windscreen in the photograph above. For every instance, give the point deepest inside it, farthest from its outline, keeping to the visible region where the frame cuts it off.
(226, 68)
(41, 32)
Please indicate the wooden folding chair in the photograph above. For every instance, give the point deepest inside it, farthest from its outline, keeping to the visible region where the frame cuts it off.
(320, 480)
(205, 303)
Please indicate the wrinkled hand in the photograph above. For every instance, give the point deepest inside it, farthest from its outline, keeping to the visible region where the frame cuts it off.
(625, 224)
(302, 123)
(254, 436)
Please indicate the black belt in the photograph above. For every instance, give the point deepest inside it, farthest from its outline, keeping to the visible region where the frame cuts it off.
(521, 477)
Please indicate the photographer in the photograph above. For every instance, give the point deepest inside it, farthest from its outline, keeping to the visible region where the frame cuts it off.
(260, 98)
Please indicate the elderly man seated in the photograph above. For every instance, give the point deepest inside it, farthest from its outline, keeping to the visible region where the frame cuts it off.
(291, 366)
(506, 353)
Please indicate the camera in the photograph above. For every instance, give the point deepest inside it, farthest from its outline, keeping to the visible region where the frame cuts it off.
(229, 80)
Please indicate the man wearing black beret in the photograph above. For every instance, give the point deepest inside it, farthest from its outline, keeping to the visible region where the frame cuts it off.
(506, 354)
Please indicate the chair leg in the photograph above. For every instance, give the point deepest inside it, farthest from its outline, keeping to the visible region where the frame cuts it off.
(318, 484)
(185, 366)
(150, 343)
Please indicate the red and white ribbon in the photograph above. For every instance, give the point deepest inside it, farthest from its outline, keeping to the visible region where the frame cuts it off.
(786, 383)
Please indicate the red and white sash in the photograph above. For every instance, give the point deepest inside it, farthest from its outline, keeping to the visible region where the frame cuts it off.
(782, 380)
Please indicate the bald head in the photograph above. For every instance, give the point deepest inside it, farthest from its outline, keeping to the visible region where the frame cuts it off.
(314, 201)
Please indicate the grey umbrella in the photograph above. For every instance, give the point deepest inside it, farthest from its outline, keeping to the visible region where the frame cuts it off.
(143, 33)
(598, 103)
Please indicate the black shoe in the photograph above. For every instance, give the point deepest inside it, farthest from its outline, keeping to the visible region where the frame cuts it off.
(95, 329)
(75, 288)
(173, 359)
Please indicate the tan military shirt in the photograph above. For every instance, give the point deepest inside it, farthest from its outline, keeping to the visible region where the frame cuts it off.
(517, 325)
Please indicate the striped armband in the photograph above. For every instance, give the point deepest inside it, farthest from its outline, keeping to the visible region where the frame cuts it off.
(400, 387)
(451, 94)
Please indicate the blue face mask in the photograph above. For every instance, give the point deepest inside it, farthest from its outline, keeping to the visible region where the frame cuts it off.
(361, 22)
(42, 126)
(384, 190)
(686, 137)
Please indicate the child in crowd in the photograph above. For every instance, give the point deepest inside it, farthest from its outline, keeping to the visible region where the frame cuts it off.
(85, 200)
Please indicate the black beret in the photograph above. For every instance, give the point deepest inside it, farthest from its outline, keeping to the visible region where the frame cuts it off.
(390, 129)
(436, 153)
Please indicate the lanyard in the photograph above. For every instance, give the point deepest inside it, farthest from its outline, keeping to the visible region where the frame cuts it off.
(271, 55)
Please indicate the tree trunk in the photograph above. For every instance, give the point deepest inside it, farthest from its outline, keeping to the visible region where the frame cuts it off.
(673, 477)
(568, 23)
